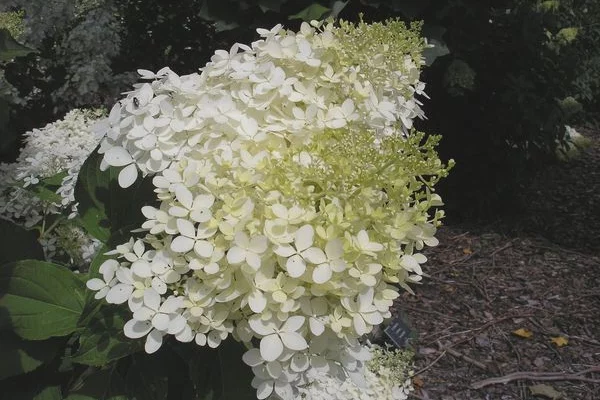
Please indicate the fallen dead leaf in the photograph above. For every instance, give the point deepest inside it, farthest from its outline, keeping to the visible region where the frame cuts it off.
(560, 341)
(545, 391)
(418, 382)
(524, 333)
(467, 251)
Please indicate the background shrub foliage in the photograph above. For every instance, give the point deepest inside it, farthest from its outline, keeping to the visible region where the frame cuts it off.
(507, 77)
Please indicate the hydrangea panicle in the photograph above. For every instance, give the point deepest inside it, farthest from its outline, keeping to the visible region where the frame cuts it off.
(295, 194)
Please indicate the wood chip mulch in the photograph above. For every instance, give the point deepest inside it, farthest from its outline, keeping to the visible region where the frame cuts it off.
(514, 316)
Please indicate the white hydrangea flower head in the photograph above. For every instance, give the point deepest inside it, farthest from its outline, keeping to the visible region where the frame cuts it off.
(58, 151)
(294, 195)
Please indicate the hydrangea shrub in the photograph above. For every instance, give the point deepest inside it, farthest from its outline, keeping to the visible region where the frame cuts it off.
(37, 190)
(295, 199)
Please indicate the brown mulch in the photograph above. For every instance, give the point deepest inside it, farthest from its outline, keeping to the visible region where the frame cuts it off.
(540, 276)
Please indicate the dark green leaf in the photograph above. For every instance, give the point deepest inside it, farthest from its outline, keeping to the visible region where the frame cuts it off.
(33, 391)
(106, 209)
(314, 11)
(18, 243)
(40, 299)
(147, 377)
(204, 377)
(20, 356)
(10, 48)
(105, 384)
(103, 341)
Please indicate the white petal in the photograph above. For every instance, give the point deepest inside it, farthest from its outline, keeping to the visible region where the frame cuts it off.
(293, 340)
(252, 357)
(271, 347)
(201, 215)
(151, 299)
(274, 369)
(153, 341)
(201, 339)
(171, 305)
(203, 248)
(128, 176)
(299, 363)
(264, 390)
(304, 237)
(95, 284)
(142, 269)
(316, 326)
(253, 260)
(314, 255)
(182, 244)
(119, 293)
(118, 157)
(257, 301)
(334, 249)
(177, 324)
(184, 196)
(293, 323)
(159, 285)
(136, 329)
(258, 244)
(236, 255)
(359, 325)
(284, 251)
(143, 314)
(295, 266)
(322, 273)
(261, 327)
(186, 335)
(161, 322)
(186, 228)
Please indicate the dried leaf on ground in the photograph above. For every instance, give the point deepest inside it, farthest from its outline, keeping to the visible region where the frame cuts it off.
(560, 341)
(522, 332)
(545, 391)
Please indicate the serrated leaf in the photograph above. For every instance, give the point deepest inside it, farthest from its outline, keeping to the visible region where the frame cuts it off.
(20, 356)
(560, 341)
(524, 333)
(18, 243)
(103, 340)
(314, 11)
(40, 299)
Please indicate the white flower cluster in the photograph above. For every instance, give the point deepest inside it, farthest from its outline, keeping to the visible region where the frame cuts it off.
(286, 177)
(378, 382)
(56, 151)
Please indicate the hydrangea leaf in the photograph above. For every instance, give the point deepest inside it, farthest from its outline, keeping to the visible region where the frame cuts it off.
(21, 356)
(103, 340)
(106, 209)
(40, 300)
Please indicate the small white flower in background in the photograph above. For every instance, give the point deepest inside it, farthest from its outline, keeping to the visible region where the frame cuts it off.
(290, 183)
(60, 147)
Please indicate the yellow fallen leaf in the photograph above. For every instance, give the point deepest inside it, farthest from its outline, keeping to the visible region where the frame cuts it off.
(467, 251)
(524, 333)
(560, 341)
